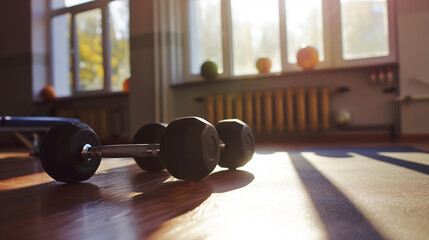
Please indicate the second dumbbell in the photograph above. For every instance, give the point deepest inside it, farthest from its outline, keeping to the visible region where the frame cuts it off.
(236, 142)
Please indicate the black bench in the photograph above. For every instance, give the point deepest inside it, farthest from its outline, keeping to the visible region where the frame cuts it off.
(33, 125)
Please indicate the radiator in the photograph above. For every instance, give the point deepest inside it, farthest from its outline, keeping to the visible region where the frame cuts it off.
(269, 111)
(96, 118)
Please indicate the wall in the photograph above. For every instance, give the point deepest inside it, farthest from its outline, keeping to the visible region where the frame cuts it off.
(413, 39)
(15, 58)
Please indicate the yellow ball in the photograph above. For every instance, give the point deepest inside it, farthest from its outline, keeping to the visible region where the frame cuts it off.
(263, 65)
(307, 58)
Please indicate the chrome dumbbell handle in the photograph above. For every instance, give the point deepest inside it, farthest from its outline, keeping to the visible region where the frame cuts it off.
(119, 151)
(124, 150)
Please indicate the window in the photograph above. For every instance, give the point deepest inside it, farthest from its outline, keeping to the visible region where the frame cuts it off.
(119, 35)
(90, 46)
(205, 34)
(236, 33)
(255, 34)
(304, 24)
(62, 70)
(90, 57)
(364, 26)
(56, 4)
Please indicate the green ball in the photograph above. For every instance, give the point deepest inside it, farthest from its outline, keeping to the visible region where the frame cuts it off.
(209, 70)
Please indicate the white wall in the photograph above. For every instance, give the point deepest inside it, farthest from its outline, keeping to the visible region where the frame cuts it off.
(413, 44)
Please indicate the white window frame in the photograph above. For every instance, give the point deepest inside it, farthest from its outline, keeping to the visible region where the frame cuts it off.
(103, 5)
(339, 61)
(331, 37)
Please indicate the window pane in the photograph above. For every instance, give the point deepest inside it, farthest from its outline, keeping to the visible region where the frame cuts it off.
(62, 73)
(205, 34)
(255, 34)
(91, 73)
(56, 4)
(364, 28)
(304, 24)
(119, 16)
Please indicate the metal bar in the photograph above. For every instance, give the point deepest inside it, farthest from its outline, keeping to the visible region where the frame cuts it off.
(123, 150)
(25, 141)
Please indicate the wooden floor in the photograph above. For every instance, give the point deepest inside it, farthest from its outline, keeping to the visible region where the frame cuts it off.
(285, 192)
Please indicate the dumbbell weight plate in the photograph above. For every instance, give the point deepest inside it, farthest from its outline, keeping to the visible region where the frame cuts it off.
(61, 156)
(150, 134)
(239, 143)
(190, 148)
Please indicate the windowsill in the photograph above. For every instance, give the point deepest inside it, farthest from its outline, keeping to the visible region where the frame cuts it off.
(83, 97)
(219, 80)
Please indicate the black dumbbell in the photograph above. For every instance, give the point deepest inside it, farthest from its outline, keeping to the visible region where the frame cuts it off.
(239, 143)
(150, 134)
(235, 134)
(189, 147)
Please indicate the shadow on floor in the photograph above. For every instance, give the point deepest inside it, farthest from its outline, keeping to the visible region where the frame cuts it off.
(342, 220)
(372, 152)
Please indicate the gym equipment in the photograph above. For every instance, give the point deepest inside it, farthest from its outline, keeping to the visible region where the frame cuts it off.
(263, 65)
(307, 58)
(36, 126)
(61, 149)
(239, 143)
(189, 148)
(150, 134)
(126, 85)
(48, 93)
(343, 117)
(209, 70)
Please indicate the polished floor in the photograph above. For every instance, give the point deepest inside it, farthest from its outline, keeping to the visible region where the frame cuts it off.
(365, 191)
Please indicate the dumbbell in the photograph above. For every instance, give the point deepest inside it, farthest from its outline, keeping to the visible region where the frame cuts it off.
(189, 148)
(235, 133)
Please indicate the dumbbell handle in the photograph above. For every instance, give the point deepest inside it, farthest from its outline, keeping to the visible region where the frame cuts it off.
(123, 150)
(119, 151)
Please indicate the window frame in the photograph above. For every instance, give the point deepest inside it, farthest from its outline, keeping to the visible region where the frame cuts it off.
(339, 61)
(332, 38)
(103, 5)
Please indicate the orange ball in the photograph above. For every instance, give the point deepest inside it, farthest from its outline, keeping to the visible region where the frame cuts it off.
(307, 58)
(126, 85)
(263, 65)
(48, 93)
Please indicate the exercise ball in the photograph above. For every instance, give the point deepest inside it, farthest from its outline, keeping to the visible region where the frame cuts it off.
(48, 93)
(343, 117)
(126, 85)
(307, 58)
(209, 70)
(263, 65)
